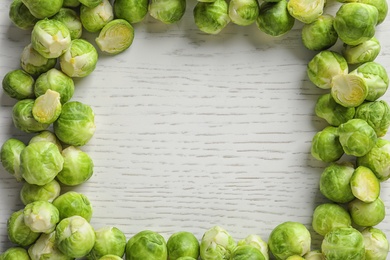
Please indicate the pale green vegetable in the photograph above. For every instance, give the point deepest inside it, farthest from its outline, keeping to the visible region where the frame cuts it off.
(325, 145)
(31, 192)
(381, 6)
(343, 243)
(75, 236)
(34, 63)
(306, 11)
(80, 59)
(47, 107)
(46, 248)
(356, 22)
(18, 84)
(40, 162)
(314, 255)
(46, 135)
(256, 241)
(15, 253)
(72, 21)
(21, 16)
(146, 245)
(376, 244)
(115, 37)
(167, 11)
(367, 214)
(18, 232)
(10, 156)
(73, 203)
(211, 17)
(376, 114)
(332, 112)
(365, 185)
(274, 18)
(363, 52)
(133, 11)
(320, 34)
(329, 216)
(41, 216)
(295, 257)
(216, 243)
(289, 238)
(90, 3)
(243, 12)
(95, 18)
(50, 38)
(182, 244)
(111, 257)
(109, 241)
(43, 8)
(23, 118)
(349, 90)
(71, 3)
(76, 124)
(357, 137)
(245, 252)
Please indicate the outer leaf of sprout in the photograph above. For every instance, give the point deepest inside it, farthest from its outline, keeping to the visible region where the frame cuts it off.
(326, 146)
(95, 18)
(71, 3)
(115, 37)
(91, 3)
(45, 248)
(43, 8)
(31, 192)
(216, 243)
(21, 16)
(46, 135)
(381, 5)
(71, 19)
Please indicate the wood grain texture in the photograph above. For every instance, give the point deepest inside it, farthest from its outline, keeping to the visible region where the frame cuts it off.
(194, 130)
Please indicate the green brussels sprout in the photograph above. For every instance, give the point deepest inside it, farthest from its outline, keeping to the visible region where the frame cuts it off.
(376, 244)
(243, 12)
(357, 137)
(314, 255)
(320, 34)
(324, 66)
(71, 3)
(109, 241)
(289, 238)
(46, 248)
(367, 214)
(31, 192)
(18, 232)
(133, 11)
(335, 182)
(76, 124)
(56, 80)
(10, 156)
(328, 216)
(332, 112)
(41, 216)
(295, 257)
(326, 146)
(115, 37)
(91, 3)
(376, 78)
(378, 159)
(274, 18)
(80, 59)
(182, 244)
(211, 17)
(110, 257)
(73, 203)
(216, 243)
(167, 11)
(95, 18)
(47, 107)
(23, 118)
(245, 252)
(376, 114)
(74, 236)
(46, 135)
(348, 90)
(306, 11)
(50, 38)
(186, 258)
(365, 185)
(343, 243)
(255, 241)
(361, 53)
(355, 22)
(381, 6)
(15, 253)
(34, 63)
(40, 162)
(18, 84)
(43, 8)
(20, 16)
(146, 245)
(72, 21)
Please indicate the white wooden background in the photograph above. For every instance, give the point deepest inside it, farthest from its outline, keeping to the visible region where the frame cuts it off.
(194, 130)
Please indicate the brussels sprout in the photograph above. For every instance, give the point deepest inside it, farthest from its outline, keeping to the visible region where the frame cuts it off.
(23, 118)
(245, 252)
(34, 63)
(306, 11)
(91, 3)
(256, 241)
(314, 255)
(216, 243)
(115, 37)
(43, 8)
(167, 11)
(343, 243)
(326, 146)
(381, 6)
(75, 237)
(186, 258)
(109, 241)
(324, 66)
(328, 216)
(355, 22)
(376, 114)
(45, 248)
(18, 232)
(46, 136)
(274, 18)
(289, 238)
(367, 214)
(76, 124)
(378, 159)
(320, 34)
(335, 182)
(348, 90)
(15, 253)
(333, 113)
(95, 18)
(20, 16)
(365, 185)
(47, 107)
(41, 216)
(295, 257)
(243, 12)
(48, 192)
(361, 53)
(18, 84)
(146, 245)
(80, 59)
(71, 3)
(211, 17)
(10, 156)
(40, 162)
(376, 78)
(357, 137)
(133, 11)
(376, 244)
(182, 244)
(110, 257)
(55, 80)
(72, 21)
(73, 203)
